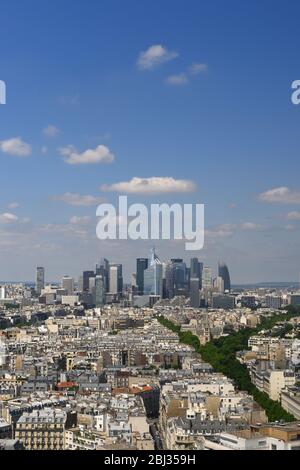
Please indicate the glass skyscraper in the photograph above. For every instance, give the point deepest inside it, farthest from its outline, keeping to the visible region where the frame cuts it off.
(224, 274)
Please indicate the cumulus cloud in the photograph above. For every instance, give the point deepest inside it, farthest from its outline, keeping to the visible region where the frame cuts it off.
(177, 80)
(75, 199)
(51, 131)
(100, 154)
(154, 56)
(153, 185)
(8, 218)
(282, 195)
(15, 146)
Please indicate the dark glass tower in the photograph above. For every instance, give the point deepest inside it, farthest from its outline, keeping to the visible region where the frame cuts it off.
(224, 274)
(141, 266)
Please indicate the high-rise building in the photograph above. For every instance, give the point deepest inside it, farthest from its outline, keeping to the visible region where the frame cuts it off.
(194, 292)
(40, 279)
(179, 275)
(196, 269)
(67, 283)
(176, 277)
(115, 279)
(99, 291)
(224, 274)
(153, 284)
(219, 284)
(92, 281)
(169, 281)
(207, 278)
(102, 269)
(86, 280)
(141, 266)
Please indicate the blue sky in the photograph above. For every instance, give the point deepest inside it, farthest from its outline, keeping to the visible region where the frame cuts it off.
(75, 77)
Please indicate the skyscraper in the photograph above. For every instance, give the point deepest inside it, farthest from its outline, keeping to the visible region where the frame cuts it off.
(170, 282)
(40, 279)
(99, 291)
(102, 269)
(115, 279)
(207, 278)
(224, 274)
(194, 292)
(86, 280)
(153, 284)
(196, 270)
(141, 266)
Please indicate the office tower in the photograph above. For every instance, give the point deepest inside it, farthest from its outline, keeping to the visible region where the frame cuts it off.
(153, 284)
(102, 269)
(40, 279)
(196, 269)
(224, 274)
(86, 280)
(219, 284)
(169, 280)
(80, 284)
(207, 278)
(67, 283)
(115, 279)
(179, 275)
(92, 282)
(194, 292)
(99, 291)
(141, 266)
(176, 277)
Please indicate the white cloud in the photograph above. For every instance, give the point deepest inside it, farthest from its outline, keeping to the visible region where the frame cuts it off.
(67, 230)
(153, 185)
(154, 56)
(281, 195)
(51, 131)
(75, 199)
(196, 69)
(250, 226)
(77, 220)
(44, 150)
(15, 146)
(13, 205)
(8, 218)
(180, 79)
(100, 154)
(294, 215)
(226, 230)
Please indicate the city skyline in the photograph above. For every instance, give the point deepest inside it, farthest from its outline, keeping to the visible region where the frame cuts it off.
(158, 114)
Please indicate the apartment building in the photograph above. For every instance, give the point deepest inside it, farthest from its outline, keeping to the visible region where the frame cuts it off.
(42, 430)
